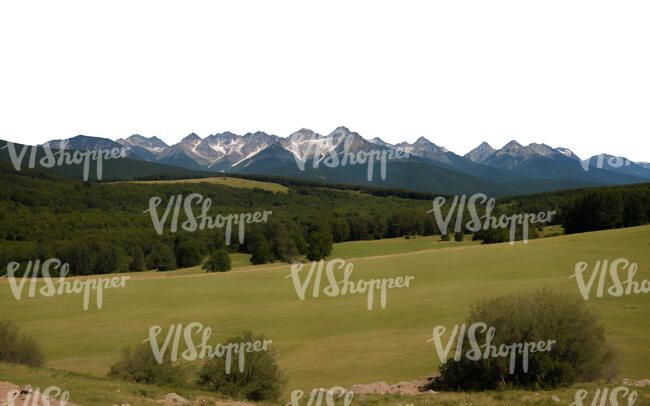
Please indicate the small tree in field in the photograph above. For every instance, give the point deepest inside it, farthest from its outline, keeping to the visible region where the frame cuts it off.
(219, 261)
(580, 352)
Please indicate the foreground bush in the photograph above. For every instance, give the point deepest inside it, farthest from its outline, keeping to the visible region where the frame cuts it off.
(261, 379)
(19, 349)
(138, 364)
(580, 353)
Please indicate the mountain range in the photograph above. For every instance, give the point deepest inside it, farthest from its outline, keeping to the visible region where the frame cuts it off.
(512, 169)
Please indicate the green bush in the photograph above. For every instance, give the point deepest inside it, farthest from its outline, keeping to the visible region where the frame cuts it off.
(261, 379)
(19, 349)
(459, 236)
(580, 353)
(138, 364)
(219, 261)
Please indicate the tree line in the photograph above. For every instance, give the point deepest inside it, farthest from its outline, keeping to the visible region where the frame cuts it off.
(101, 228)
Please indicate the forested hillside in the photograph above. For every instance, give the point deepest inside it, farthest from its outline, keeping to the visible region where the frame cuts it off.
(103, 227)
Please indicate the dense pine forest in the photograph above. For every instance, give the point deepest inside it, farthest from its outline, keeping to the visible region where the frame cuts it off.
(103, 227)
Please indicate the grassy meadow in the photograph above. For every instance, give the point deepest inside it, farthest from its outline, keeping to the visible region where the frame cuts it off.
(345, 250)
(226, 181)
(328, 341)
(391, 246)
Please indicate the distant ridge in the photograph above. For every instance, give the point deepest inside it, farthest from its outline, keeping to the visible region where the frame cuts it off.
(514, 168)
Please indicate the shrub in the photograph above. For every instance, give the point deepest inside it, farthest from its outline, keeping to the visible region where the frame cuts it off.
(579, 354)
(459, 236)
(444, 237)
(219, 261)
(138, 364)
(261, 379)
(19, 349)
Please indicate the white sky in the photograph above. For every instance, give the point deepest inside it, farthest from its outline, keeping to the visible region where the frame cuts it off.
(566, 73)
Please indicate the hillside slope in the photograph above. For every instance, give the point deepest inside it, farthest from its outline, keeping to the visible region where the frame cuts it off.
(366, 345)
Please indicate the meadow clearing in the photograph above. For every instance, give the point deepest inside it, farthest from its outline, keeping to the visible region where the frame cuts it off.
(328, 341)
(223, 180)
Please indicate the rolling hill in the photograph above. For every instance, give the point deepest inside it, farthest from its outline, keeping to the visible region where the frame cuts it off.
(365, 346)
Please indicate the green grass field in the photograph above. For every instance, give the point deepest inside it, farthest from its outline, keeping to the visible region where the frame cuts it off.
(389, 246)
(345, 250)
(325, 341)
(226, 181)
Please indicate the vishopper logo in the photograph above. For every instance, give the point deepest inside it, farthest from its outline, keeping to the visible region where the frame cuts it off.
(331, 158)
(346, 285)
(63, 286)
(203, 350)
(490, 221)
(64, 157)
(317, 395)
(27, 396)
(612, 161)
(624, 392)
(204, 220)
(490, 350)
(618, 288)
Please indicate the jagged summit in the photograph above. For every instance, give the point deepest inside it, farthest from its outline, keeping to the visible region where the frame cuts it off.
(480, 153)
(191, 138)
(512, 145)
(261, 152)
